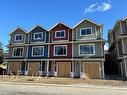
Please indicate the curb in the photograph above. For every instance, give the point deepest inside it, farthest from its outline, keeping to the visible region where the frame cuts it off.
(61, 85)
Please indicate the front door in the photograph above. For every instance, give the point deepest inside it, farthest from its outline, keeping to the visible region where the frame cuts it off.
(77, 69)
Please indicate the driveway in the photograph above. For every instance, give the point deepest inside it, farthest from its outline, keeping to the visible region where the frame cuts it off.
(23, 89)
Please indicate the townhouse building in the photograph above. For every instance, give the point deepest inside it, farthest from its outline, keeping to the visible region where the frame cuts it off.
(117, 38)
(60, 51)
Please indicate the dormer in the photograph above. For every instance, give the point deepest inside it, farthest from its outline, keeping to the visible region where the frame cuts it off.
(60, 32)
(18, 36)
(87, 29)
(38, 35)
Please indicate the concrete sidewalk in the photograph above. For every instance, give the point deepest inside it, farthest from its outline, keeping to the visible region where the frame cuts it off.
(70, 85)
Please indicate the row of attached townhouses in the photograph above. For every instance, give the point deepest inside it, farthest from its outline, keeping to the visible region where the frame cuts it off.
(117, 38)
(60, 51)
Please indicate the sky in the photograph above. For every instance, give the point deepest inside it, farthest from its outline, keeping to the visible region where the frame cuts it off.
(28, 13)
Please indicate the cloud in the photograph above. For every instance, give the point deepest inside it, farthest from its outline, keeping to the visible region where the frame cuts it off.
(98, 7)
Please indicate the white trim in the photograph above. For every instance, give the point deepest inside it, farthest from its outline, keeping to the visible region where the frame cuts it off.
(88, 21)
(14, 30)
(37, 47)
(38, 33)
(121, 28)
(17, 48)
(86, 54)
(123, 46)
(60, 31)
(85, 29)
(58, 46)
(18, 35)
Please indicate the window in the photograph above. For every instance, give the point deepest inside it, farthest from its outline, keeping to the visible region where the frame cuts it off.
(60, 34)
(86, 49)
(38, 36)
(18, 52)
(85, 31)
(60, 50)
(19, 37)
(38, 51)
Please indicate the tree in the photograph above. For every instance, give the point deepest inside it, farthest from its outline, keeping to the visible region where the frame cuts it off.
(1, 54)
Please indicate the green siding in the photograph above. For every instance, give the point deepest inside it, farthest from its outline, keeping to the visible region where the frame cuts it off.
(95, 31)
(97, 50)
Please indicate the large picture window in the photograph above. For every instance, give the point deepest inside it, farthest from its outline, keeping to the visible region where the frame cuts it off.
(86, 49)
(85, 31)
(60, 50)
(60, 34)
(19, 37)
(38, 36)
(18, 52)
(38, 51)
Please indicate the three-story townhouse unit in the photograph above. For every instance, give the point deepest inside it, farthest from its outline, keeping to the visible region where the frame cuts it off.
(17, 51)
(38, 51)
(117, 38)
(88, 50)
(60, 50)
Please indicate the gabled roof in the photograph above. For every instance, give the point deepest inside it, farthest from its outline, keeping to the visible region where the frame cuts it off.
(17, 29)
(37, 26)
(58, 24)
(88, 21)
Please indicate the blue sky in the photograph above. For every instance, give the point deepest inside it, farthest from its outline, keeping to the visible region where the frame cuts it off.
(28, 13)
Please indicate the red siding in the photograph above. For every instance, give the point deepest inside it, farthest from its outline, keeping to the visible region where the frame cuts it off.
(68, 34)
(69, 51)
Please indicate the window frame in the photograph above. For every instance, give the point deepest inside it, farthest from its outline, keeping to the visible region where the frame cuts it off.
(18, 35)
(37, 47)
(85, 29)
(17, 48)
(87, 45)
(60, 31)
(60, 46)
(38, 38)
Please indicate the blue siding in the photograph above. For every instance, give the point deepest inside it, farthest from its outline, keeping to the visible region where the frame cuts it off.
(36, 30)
(41, 57)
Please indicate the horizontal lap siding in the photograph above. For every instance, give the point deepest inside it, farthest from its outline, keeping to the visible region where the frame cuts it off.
(68, 31)
(69, 51)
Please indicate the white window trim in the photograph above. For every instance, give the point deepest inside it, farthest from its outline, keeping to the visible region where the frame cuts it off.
(16, 48)
(18, 35)
(86, 28)
(86, 54)
(38, 38)
(37, 55)
(58, 46)
(60, 31)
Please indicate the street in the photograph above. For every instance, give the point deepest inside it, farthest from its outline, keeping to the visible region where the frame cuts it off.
(19, 89)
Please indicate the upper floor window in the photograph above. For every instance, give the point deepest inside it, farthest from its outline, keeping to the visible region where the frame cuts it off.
(60, 34)
(38, 51)
(38, 36)
(18, 52)
(86, 49)
(85, 31)
(60, 50)
(19, 37)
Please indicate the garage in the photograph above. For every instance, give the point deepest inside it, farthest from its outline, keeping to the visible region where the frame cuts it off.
(64, 69)
(14, 67)
(91, 70)
(33, 68)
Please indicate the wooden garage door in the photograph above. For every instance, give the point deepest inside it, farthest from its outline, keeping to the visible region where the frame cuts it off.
(63, 69)
(33, 68)
(91, 70)
(14, 67)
